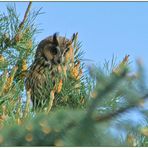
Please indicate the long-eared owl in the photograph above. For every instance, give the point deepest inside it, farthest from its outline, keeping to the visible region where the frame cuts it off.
(50, 52)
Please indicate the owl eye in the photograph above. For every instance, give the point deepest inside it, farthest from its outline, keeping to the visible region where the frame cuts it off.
(53, 51)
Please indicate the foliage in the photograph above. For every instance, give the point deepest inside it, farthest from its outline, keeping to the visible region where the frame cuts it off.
(83, 107)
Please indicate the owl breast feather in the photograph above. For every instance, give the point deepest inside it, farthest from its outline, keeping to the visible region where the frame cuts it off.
(39, 82)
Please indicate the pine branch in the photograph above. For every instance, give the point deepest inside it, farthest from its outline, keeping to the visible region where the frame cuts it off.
(121, 110)
(103, 118)
(107, 89)
(27, 104)
(13, 40)
(23, 21)
(25, 16)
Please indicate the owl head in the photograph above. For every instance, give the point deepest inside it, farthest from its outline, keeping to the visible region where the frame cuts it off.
(54, 48)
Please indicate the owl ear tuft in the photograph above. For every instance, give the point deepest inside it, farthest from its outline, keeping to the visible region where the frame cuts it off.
(74, 36)
(56, 38)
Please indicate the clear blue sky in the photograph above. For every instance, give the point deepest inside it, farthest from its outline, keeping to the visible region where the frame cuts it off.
(105, 28)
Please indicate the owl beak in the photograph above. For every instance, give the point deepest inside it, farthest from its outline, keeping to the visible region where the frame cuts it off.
(60, 61)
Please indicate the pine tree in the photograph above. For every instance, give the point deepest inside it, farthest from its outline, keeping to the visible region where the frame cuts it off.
(88, 103)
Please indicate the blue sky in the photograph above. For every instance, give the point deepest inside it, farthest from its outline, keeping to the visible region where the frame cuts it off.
(105, 28)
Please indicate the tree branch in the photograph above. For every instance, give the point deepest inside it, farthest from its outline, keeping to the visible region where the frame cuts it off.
(13, 41)
(121, 110)
(110, 86)
(25, 17)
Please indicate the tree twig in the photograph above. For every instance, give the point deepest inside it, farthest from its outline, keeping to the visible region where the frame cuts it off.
(121, 110)
(25, 16)
(107, 89)
(109, 116)
(13, 41)
(27, 103)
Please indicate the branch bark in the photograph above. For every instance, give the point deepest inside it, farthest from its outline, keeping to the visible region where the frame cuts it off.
(25, 17)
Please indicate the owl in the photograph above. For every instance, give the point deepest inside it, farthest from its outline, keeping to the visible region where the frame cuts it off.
(50, 53)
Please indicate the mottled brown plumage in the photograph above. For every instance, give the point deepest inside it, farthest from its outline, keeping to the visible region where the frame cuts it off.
(50, 53)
